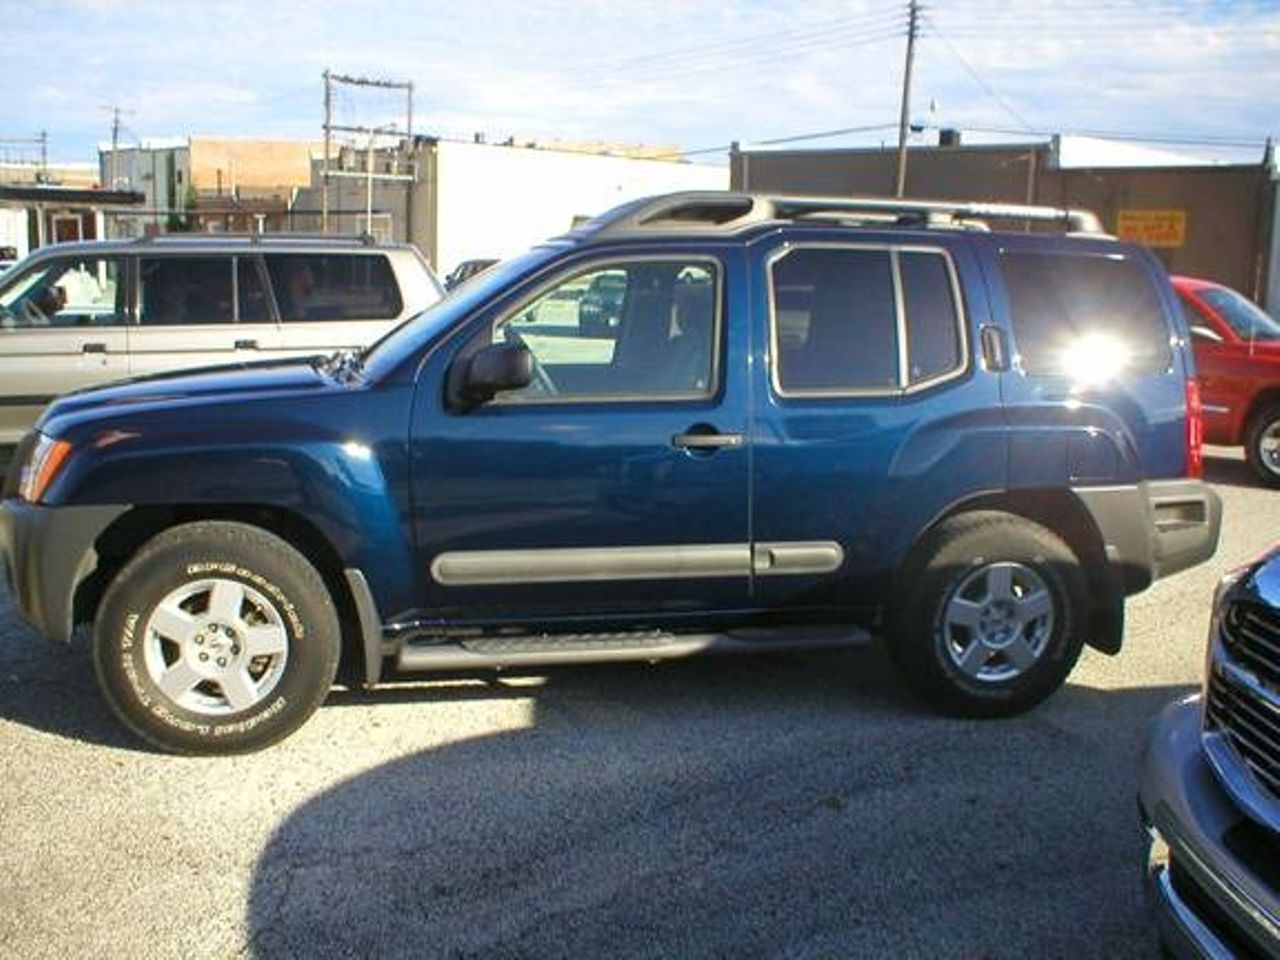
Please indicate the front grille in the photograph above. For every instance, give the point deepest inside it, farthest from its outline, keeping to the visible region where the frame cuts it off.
(1251, 633)
(1251, 725)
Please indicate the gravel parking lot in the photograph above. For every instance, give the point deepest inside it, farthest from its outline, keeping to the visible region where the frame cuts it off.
(783, 806)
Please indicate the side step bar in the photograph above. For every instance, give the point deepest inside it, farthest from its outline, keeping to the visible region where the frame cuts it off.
(528, 651)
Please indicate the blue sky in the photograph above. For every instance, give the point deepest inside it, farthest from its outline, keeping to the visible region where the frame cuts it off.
(693, 74)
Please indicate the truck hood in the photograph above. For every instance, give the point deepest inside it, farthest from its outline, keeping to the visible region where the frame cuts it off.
(205, 385)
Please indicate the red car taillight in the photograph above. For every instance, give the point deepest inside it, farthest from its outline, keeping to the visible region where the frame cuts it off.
(1195, 431)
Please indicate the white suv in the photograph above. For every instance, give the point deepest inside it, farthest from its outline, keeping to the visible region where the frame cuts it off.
(75, 315)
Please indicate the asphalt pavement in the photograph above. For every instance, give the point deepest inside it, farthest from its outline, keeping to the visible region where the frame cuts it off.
(800, 806)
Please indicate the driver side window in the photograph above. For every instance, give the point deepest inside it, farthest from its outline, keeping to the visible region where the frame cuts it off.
(640, 330)
(66, 292)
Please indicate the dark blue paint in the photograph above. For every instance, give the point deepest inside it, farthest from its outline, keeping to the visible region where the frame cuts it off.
(391, 476)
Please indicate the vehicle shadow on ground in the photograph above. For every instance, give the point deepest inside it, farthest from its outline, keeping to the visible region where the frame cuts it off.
(51, 687)
(794, 807)
(1230, 471)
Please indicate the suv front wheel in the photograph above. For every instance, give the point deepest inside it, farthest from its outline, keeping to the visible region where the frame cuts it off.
(216, 638)
(989, 615)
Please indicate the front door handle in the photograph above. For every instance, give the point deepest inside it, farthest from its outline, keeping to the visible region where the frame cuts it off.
(706, 441)
(246, 344)
(93, 348)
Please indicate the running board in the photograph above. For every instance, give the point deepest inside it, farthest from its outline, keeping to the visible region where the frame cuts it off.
(530, 651)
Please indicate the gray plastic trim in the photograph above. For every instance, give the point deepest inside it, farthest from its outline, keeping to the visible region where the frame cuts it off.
(470, 568)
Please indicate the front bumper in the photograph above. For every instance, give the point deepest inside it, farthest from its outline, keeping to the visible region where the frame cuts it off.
(45, 554)
(1206, 861)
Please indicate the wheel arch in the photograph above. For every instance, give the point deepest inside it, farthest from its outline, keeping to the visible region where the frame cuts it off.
(1064, 515)
(1263, 399)
(122, 539)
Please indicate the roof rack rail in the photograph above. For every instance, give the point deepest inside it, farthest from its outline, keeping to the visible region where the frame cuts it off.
(731, 211)
(366, 239)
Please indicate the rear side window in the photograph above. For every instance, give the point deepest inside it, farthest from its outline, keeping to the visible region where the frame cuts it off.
(312, 287)
(863, 320)
(185, 290)
(933, 335)
(1063, 301)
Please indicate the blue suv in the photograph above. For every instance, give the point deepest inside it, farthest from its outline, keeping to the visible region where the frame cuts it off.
(815, 419)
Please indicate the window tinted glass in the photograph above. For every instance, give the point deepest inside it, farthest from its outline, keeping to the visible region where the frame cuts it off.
(1246, 318)
(1059, 301)
(312, 287)
(933, 327)
(68, 292)
(254, 306)
(836, 323)
(626, 330)
(185, 290)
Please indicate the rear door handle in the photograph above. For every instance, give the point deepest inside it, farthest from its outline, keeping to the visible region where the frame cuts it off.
(994, 353)
(246, 344)
(706, 441)
(93, 348)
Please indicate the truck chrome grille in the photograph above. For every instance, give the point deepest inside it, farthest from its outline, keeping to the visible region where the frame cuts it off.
(1252, 637)
(1248, 712)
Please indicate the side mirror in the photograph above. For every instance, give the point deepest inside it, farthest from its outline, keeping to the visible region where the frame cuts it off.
(493, 369)
(1201, 332)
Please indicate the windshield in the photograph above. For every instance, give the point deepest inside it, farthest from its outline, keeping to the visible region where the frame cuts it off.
(397, 345)
(1246, 319)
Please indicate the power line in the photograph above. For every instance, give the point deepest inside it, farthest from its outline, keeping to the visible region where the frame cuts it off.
(1004, 105)
(780, 53)
(824, 30)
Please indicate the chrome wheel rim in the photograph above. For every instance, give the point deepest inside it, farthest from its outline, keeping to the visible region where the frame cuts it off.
(1269, 447)
(997, 622)
(215, 647)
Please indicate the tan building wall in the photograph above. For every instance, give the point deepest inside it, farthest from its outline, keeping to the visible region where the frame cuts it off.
(254, 167)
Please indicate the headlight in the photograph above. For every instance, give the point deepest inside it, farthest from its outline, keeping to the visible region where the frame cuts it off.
(41, 467)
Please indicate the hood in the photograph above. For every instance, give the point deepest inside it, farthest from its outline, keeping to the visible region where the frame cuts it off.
(205, 385)
(1262, 583)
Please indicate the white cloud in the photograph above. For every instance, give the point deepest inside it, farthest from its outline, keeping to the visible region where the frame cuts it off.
(660, 70)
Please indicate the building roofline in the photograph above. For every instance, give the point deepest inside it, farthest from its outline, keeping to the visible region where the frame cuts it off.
(71, 195)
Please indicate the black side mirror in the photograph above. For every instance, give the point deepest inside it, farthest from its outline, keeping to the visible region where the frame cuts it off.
(493, 369)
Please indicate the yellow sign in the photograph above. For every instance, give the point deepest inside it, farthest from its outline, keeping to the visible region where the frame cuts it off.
(1153, 228)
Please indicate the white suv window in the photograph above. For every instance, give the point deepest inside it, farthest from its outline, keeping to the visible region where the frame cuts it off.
(66, 292)
(185, 290)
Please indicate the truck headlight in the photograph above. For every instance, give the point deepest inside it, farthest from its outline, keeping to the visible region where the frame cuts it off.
(46, 459)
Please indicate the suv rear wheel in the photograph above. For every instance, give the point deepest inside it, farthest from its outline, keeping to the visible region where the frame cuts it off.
(1262, 444)
(988, 619)
(216, 638)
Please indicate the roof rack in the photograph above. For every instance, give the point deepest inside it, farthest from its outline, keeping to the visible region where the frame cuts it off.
(730, 212)
(365, 239)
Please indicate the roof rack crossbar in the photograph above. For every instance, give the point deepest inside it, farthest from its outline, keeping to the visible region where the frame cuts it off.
(733, 211)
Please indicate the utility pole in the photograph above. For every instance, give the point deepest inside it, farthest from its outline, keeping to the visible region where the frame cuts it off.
(328, 137)
(329, 174)
(115, 140)
(913, 23)
(112, 169)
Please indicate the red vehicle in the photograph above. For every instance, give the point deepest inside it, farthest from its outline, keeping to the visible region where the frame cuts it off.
(1237, 350)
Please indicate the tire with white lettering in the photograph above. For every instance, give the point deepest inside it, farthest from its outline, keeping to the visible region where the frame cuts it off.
(989, 617)
(1262, 445)
(216, 638)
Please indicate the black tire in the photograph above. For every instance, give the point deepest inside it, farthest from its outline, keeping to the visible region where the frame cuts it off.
(1264, 429)
(967, 632)
(236, 624)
